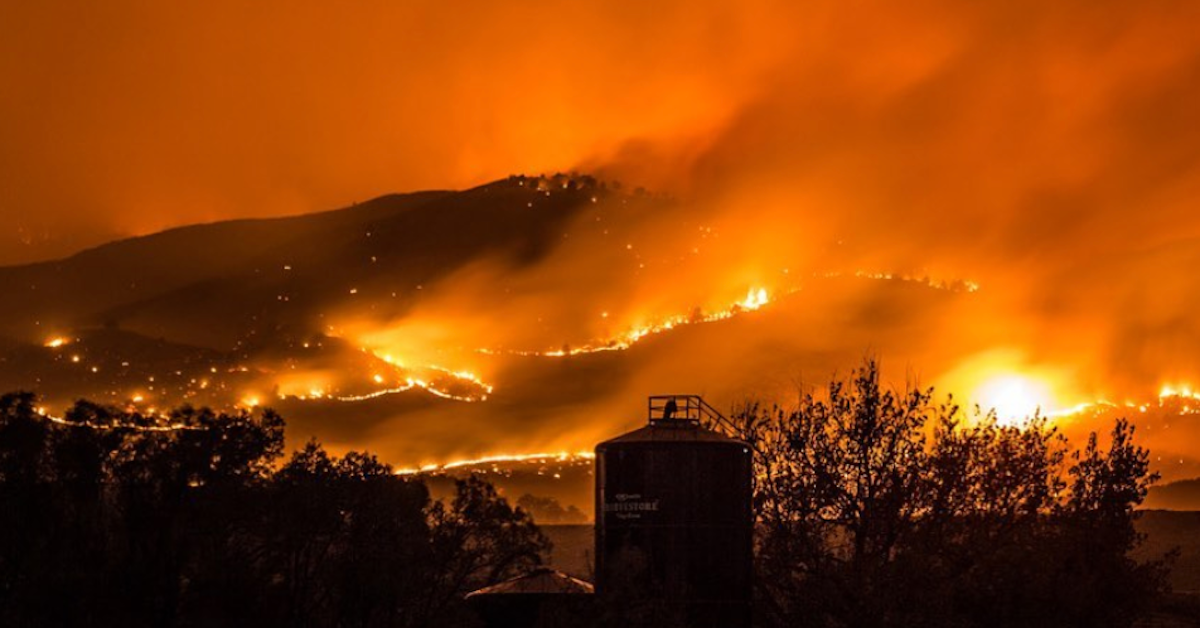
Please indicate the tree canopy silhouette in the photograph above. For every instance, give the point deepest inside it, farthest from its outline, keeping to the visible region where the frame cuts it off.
(110, 518)
(878, 509)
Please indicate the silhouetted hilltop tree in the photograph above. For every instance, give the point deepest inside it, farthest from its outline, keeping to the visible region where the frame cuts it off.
(109, 518)
(879, 509)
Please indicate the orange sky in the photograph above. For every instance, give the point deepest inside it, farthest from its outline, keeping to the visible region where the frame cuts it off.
(132, 116)
(126, 117)
(129, 116)
(1049, 151)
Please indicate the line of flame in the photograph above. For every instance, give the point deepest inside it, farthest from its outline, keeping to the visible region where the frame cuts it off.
(937, 284)
(755, 299)
(562, 456)
(42, 412)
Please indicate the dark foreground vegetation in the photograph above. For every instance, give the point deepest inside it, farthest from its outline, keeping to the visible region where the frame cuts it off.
(114, 519)
(880, 509)
(874, 510)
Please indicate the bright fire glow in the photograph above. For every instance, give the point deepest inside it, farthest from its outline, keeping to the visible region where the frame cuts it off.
(454, 385)
(1185, 391)
(1016, 386)
(56, 342)
(1014, 397)
(959, 285)
(755, 299)
(562, 456)
(44, 412)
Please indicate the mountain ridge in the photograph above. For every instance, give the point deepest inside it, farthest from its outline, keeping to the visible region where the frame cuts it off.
(322, 250)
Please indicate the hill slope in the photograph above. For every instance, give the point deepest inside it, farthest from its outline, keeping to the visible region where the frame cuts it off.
(249, 275)
(526, 315)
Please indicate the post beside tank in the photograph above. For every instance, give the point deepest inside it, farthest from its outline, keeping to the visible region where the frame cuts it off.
(674, 521)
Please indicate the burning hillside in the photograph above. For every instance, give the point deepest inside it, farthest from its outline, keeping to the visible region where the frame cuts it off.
(527, 315)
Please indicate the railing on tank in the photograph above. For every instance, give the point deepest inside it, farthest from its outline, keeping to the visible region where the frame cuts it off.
(690, 408)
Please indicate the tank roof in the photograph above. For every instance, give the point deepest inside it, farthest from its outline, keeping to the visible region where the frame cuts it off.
(678, 430)
(677, 419)
(540, 581)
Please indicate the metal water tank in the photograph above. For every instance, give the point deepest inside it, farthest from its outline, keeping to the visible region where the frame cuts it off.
(674, 522)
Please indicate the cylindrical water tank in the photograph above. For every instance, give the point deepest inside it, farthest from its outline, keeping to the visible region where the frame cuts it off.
(674, 523)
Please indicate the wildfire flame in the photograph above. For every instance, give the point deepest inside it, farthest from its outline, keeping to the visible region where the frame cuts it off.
(959, 285)
(562, 456)
(44, 412)
(459, 378)
(1182, 391)
(756, 298)
(1015, 397)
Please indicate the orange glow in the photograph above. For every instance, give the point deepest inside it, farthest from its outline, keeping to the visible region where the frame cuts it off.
(965, 285)
(1182, 391)
(996, 198)
(460, 385)
(756, 298)
(1014, 397)
(561, 456)
(1015, 387)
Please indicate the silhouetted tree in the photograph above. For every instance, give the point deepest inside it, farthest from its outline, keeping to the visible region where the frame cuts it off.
(110, 518)
(345, 541)
(880, 509)
(479, 538)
